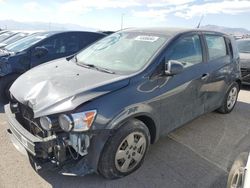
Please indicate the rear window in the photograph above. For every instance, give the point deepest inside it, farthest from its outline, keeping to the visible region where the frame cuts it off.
(216, 46)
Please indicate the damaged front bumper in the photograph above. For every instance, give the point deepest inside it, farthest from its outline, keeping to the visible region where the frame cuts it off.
(52, 153)
(34, 145)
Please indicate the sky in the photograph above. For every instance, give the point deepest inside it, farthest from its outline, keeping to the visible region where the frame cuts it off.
(107, 14)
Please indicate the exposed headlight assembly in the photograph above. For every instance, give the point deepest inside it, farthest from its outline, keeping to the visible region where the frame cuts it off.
(77, 122)
(46, 123)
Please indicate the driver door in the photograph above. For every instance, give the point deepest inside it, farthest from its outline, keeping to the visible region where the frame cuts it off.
(182, 98)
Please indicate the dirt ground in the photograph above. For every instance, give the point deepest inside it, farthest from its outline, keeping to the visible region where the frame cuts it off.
(198, 155)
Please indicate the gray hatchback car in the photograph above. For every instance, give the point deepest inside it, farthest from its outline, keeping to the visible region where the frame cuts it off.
(100, 110)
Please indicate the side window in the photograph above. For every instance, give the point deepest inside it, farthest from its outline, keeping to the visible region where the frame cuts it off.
(216, 46)
(55, 45)
(72, 44)
(186, 50)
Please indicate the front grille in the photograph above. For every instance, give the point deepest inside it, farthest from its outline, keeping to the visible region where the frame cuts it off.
(26, 118)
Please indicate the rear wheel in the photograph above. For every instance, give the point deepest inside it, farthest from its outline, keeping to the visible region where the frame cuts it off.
(125, 151)
(230, 99)
(235, 177)
(5, 84)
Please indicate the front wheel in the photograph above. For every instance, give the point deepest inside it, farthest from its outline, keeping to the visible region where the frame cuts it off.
(230, 99)
(125, 150)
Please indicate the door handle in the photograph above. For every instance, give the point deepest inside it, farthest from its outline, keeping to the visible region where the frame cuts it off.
(205, 76)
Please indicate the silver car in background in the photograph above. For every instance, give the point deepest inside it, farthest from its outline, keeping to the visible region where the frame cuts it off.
(244, 50)
(239, 175)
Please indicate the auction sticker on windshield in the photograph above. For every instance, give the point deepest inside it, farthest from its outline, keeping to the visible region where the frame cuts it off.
(146, 38)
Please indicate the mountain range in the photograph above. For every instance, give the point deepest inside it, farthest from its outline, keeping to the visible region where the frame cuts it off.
(229, 30)
(15, 25)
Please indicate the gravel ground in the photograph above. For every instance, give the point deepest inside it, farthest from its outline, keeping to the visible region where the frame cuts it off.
(198, 155)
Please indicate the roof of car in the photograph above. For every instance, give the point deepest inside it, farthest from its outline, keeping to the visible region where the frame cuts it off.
(245, 39)
(167, 30)
(57, 32)
(51, 33)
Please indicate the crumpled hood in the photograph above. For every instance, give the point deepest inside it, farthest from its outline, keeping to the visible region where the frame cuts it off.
(62, 85)
(245, 60)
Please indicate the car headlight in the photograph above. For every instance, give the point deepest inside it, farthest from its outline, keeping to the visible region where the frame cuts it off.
(46, 123)
(77, 122)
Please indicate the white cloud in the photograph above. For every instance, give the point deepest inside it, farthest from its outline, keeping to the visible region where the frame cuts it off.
(86, 5)
(152, 13)
(160, 14)
(188, 8)
(156, 11)
(164, 3)
(32, 6)
(226, 7)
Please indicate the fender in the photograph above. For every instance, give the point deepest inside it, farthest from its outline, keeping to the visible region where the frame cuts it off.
(135, 111)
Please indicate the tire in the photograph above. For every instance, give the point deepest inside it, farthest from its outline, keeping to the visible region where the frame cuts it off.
(5, 83)
(112, 165)
(231, 95)
(236, 173)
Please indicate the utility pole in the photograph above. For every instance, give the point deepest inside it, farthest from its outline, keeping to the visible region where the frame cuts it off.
(122, 16)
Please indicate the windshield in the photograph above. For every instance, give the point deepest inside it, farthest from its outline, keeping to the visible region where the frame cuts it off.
(244, 46)
(5, 35)
(15, 38)
(26, 42)
(124, 52)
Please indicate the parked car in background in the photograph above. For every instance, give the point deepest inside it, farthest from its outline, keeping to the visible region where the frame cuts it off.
(3, 31)
(18, 57)
(107, 32)
(239, 175)
(6, 35)
(100, 111)
(14, 38)
(244, 50)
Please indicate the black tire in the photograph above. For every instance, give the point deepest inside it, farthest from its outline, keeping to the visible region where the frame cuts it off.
(224, 109)
(107, 164)
(236, 171)
(5, 84)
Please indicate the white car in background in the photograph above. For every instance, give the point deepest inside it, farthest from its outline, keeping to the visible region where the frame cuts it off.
(239, 175)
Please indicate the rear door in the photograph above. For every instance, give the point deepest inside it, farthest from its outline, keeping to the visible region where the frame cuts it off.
(220, 62)
(182, 98)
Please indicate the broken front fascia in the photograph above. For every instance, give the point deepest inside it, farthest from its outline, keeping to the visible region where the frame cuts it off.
(83, 154)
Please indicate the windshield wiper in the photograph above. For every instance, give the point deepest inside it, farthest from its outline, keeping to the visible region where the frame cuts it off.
(96, 68)
(76, 58)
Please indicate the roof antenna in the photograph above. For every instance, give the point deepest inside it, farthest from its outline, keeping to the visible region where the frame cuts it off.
(202, 16)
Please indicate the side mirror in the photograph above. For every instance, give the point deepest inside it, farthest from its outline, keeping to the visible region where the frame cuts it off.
(40, 52)
(173, 67)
